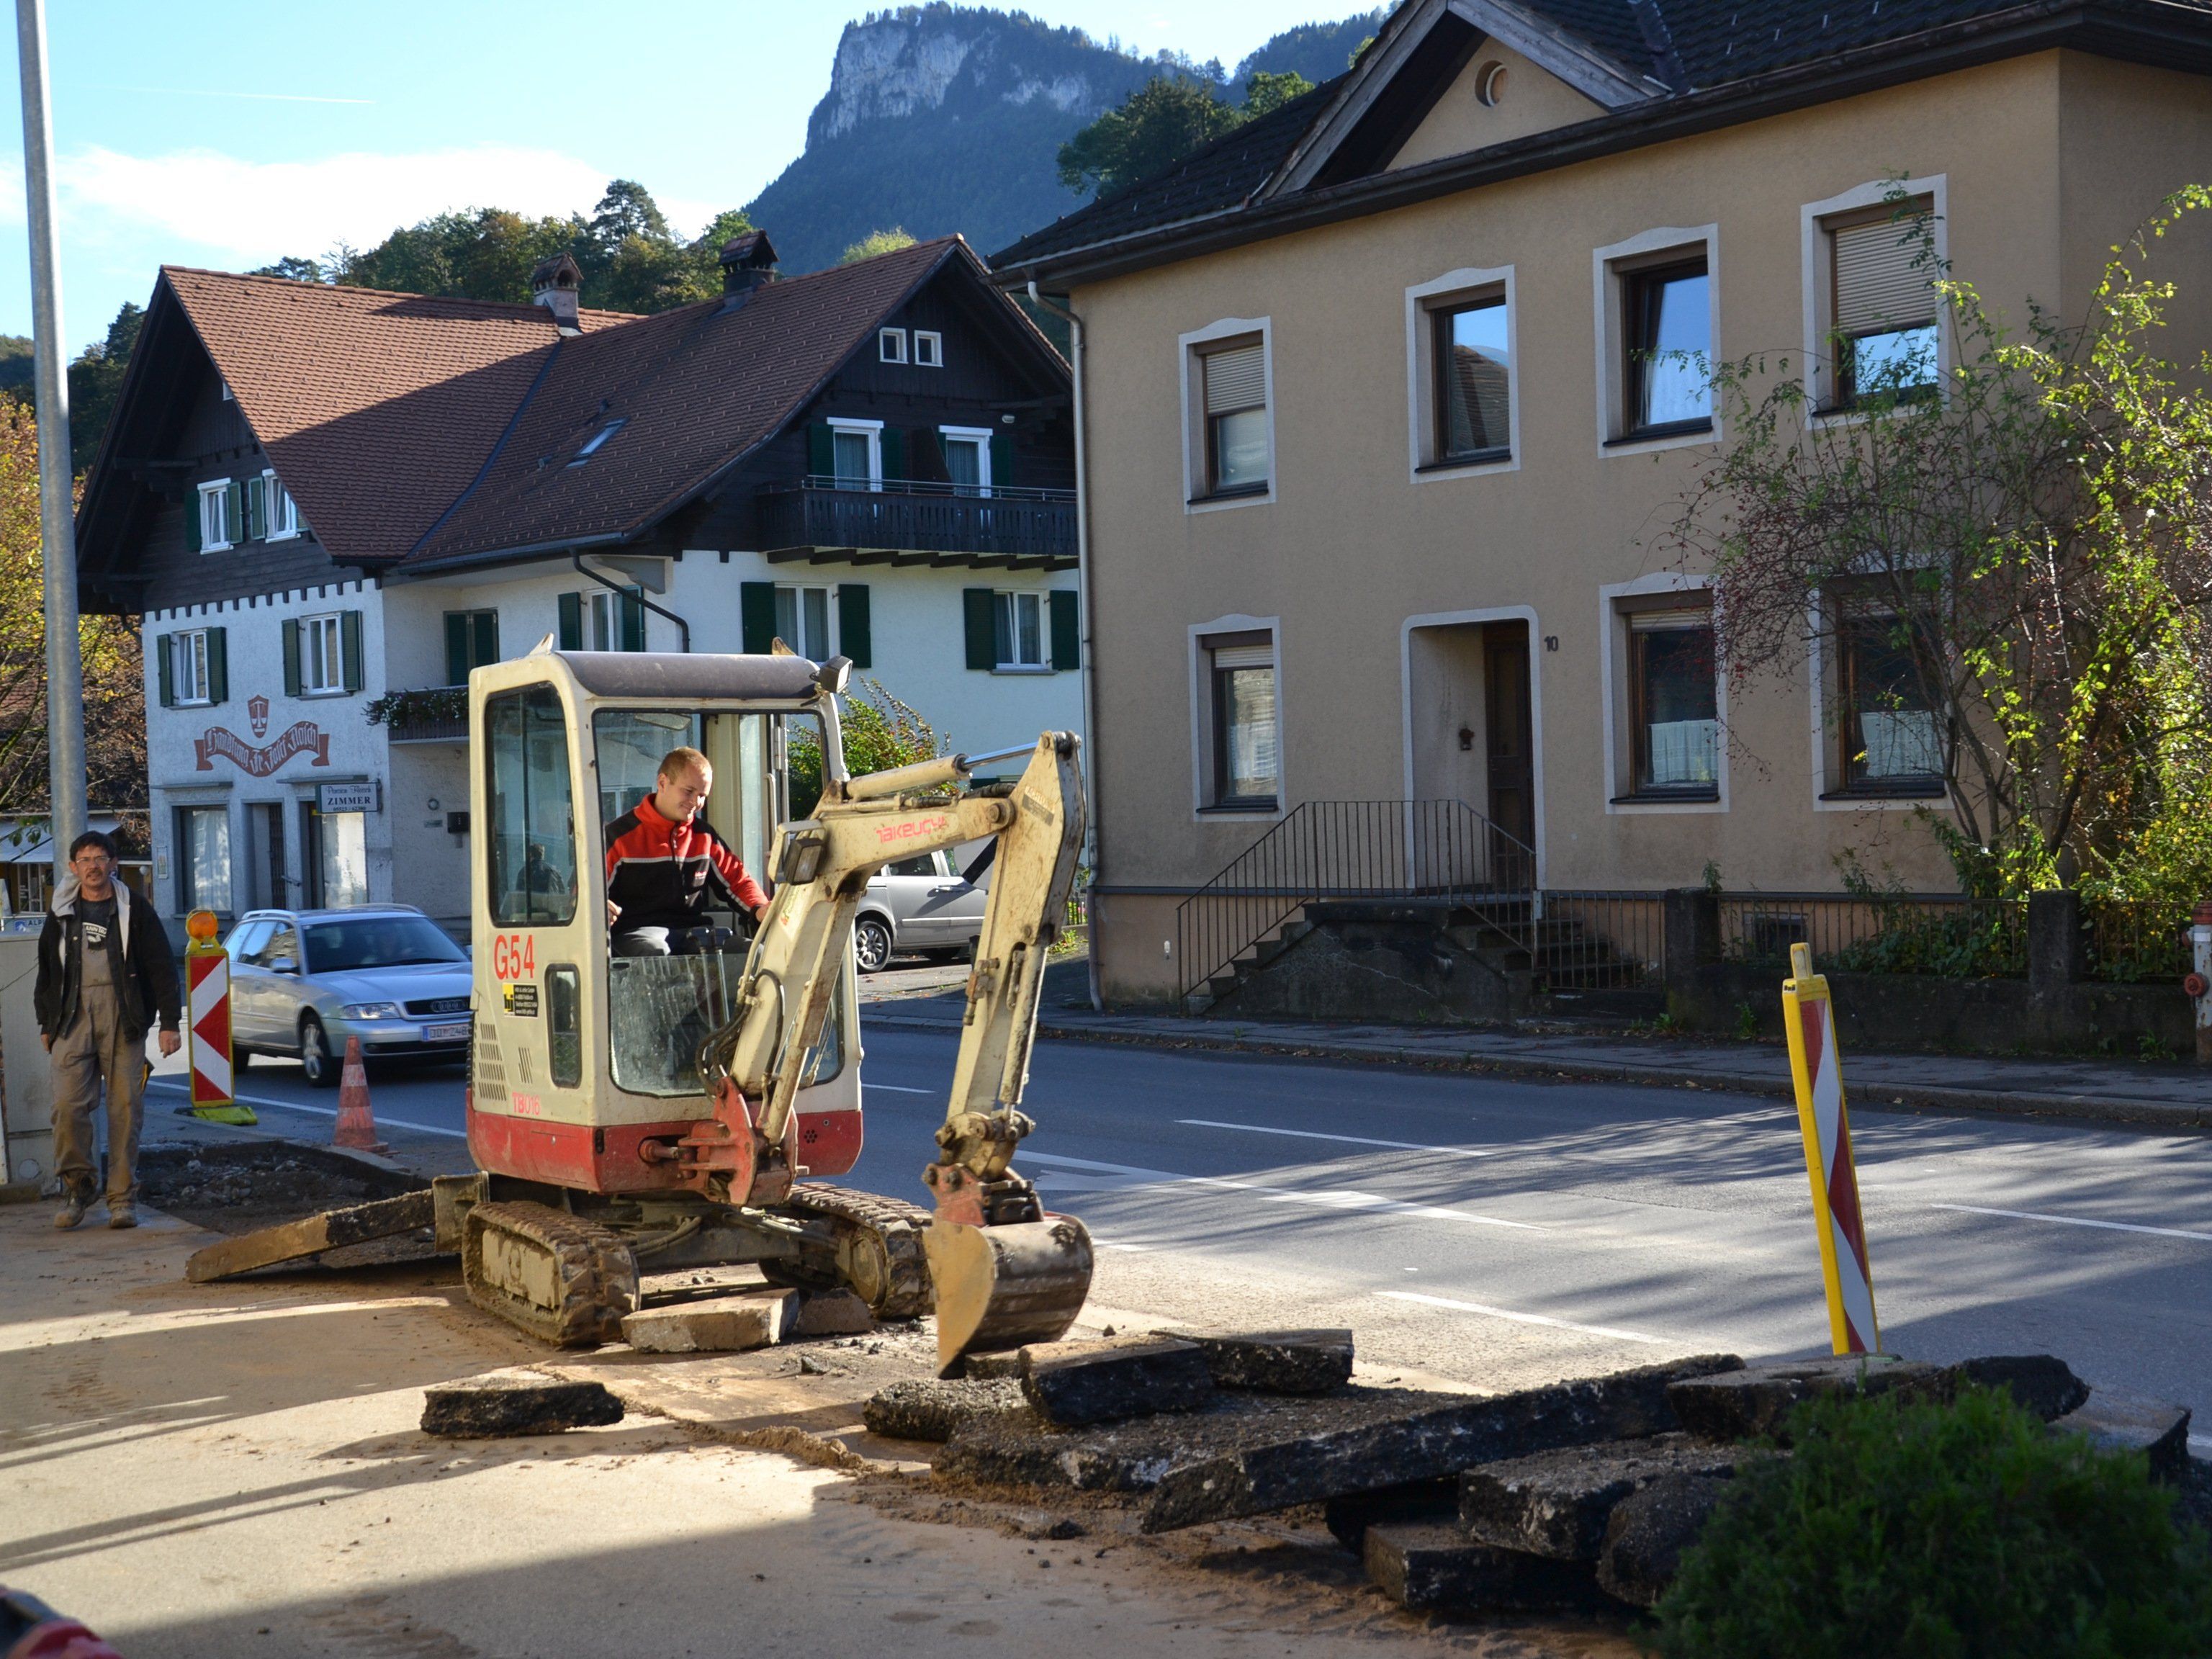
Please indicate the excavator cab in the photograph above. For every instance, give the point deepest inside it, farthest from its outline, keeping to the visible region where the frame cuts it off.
(587, 1040)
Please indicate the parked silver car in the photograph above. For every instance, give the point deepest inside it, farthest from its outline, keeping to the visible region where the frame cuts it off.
(302, 981)
(922, 904)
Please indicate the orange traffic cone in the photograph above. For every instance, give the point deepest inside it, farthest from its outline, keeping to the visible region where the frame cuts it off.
(356, 1127)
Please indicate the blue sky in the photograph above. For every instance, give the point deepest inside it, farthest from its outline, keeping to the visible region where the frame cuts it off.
(229, 135)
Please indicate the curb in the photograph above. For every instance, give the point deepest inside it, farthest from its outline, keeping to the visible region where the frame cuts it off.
(1932, 1099)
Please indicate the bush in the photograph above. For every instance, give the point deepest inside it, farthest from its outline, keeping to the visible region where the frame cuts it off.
(879, 731)
(1960, 1531)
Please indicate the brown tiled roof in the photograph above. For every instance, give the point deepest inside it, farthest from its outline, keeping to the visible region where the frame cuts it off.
(695, 389)
(377, 409)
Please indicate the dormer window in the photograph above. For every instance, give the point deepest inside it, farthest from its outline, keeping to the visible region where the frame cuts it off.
(928, 349)
(281, 513)
(223, 512)
(592, 444)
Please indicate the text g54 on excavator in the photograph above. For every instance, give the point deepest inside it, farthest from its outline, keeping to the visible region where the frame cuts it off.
(686, 1108)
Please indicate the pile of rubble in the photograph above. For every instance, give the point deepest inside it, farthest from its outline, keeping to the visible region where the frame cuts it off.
(1580, 1496)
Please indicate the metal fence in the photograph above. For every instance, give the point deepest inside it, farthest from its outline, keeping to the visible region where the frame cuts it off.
(1438, 850)
(1593, 940)
(2132, 940)
(1883, 933)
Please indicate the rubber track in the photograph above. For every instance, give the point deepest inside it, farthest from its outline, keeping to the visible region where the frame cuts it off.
(594, 1270)
(897, 1224)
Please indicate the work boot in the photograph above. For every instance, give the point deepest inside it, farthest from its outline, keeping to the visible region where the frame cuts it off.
(124, 1213)
(71, 1212)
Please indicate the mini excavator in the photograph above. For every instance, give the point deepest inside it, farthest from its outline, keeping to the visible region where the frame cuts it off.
(681, 1109)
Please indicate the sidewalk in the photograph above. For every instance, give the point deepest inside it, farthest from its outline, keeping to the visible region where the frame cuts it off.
(2164, 1095)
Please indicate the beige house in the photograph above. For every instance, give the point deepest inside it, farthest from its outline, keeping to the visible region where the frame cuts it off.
(1380, 433)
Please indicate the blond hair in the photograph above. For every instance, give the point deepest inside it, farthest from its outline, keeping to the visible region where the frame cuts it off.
(676, 761)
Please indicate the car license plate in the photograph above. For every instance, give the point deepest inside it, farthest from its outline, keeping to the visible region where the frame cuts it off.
(454, 1033)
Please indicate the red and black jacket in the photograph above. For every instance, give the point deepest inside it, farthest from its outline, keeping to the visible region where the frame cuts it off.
(662, 874)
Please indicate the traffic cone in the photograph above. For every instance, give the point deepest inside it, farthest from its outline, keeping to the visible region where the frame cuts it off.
(356, 1129)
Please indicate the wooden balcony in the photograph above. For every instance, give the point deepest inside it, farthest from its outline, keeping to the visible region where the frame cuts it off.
(813, 520)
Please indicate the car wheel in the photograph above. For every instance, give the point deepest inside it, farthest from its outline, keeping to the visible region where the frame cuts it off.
(315, 1059)
(871, 943)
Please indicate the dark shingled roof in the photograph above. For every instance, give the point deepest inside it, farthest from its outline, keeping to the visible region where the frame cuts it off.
(1715, 45)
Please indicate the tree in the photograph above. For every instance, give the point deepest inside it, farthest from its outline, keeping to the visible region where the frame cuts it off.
(1265, 94)
(114, 699)
(1155, 126)
(293, 269)
(2026, 541)
(96, 381)
(875, 242)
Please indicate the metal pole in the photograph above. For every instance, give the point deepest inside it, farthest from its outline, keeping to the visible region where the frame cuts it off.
(65, 775)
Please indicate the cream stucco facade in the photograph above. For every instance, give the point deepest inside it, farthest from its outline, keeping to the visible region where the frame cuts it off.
(1373, 580)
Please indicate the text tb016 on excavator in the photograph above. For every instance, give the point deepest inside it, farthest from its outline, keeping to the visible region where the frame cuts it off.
(681, 1110)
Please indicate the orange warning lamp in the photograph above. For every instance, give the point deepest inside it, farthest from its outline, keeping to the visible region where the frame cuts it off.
(200, 926)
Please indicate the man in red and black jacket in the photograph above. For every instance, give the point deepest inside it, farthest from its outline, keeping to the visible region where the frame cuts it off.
(665, 867)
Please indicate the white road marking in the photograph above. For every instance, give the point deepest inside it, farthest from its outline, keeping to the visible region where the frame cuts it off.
(1326, 1199)
(324, 1111)
(1349, 1141)
(1518, 1318)
(2075, 1221)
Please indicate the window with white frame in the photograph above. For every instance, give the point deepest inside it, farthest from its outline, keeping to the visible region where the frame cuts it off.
(928, 349)
(604, 614)
(1659, 338)
(856, 454)
(322, 655)
(1889, 729)
(1232, 393)
(1879, 302)
(802, 621)
(220, 515)
(279, 511)
(189, 678)
(1673, 703)
(1239, 722)
(967, 451)
(202, 857)
(1022, 632)
(890, 344)
(1471, 366)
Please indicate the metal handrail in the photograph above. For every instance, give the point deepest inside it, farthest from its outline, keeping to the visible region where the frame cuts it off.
(919, 487)
(1437, 851)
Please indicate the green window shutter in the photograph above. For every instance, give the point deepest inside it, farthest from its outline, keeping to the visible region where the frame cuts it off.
(978, 612)
(161, 643)
(821, 449)
(257, 509)
(756, 616)
(1002, 460)
(350, 644)
(291, 627)
(925, 455)
(457, 647)
(486, 643)
(854, 639)
(633, 619)
(233, 513)
(572, 622)
(192, 522)
(894, 451)
(218, 649)
(1067, 630)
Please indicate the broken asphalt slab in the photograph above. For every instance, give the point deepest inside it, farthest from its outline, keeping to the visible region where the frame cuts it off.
(1755, 1402)
(1557, 1503)
(2117, 1420)
(1074, 1384)
(514, 1403)
(1648, 1531)
(1277, 1362)
(1428, 1566)
(933, 1408)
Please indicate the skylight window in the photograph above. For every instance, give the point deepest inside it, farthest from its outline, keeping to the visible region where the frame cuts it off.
(592, 444)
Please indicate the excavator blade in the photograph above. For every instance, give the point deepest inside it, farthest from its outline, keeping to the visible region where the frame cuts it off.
(1000, 1287)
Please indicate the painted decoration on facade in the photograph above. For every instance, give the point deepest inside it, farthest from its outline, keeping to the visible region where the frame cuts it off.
(301, 737)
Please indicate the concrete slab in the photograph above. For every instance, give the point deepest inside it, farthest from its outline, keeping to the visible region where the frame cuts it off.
(722, 1324)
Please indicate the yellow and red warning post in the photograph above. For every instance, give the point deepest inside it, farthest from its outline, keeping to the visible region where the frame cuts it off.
(1809, 1018)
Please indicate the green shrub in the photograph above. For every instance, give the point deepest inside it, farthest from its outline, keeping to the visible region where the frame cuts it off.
(1958, 1531)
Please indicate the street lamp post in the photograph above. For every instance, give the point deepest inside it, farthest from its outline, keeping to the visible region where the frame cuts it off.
(65, 772)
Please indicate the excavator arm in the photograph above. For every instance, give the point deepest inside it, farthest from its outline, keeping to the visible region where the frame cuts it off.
(1003, 1272)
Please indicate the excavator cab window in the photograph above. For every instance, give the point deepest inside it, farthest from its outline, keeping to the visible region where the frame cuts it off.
(533, 843)
(661, 1006)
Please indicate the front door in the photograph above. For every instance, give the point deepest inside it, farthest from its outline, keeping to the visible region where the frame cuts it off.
(264, 855)
(1510, 736)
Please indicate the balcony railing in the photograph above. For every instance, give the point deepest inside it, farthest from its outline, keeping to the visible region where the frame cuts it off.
(910, 516)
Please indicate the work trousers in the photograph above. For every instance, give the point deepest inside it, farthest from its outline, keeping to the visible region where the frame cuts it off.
(96, 1049)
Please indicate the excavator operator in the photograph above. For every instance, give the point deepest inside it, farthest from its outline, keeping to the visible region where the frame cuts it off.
(665, 868)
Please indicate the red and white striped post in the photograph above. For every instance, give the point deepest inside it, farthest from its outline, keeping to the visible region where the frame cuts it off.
(207, 1024)
(1809, 1018)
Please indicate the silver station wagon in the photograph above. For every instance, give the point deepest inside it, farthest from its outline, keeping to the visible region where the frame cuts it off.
(302, 981)
(923, 904)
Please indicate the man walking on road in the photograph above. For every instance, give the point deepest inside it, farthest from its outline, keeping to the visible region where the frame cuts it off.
(104, 975)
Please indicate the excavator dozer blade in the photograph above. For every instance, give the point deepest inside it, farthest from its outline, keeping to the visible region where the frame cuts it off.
(1000, 1287)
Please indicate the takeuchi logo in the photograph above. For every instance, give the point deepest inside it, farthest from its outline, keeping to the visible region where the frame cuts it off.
(257, 710)
(301, 737)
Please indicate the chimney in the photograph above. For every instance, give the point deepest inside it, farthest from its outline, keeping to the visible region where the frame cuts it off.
(553, 284)
(748, 261)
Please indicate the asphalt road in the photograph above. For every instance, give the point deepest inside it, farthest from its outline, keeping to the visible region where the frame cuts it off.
(1501, 1231)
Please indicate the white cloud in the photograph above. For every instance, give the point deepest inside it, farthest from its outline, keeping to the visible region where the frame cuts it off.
(252, 212)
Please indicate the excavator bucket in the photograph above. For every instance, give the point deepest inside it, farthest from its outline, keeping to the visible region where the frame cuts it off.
(1000, 1287)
